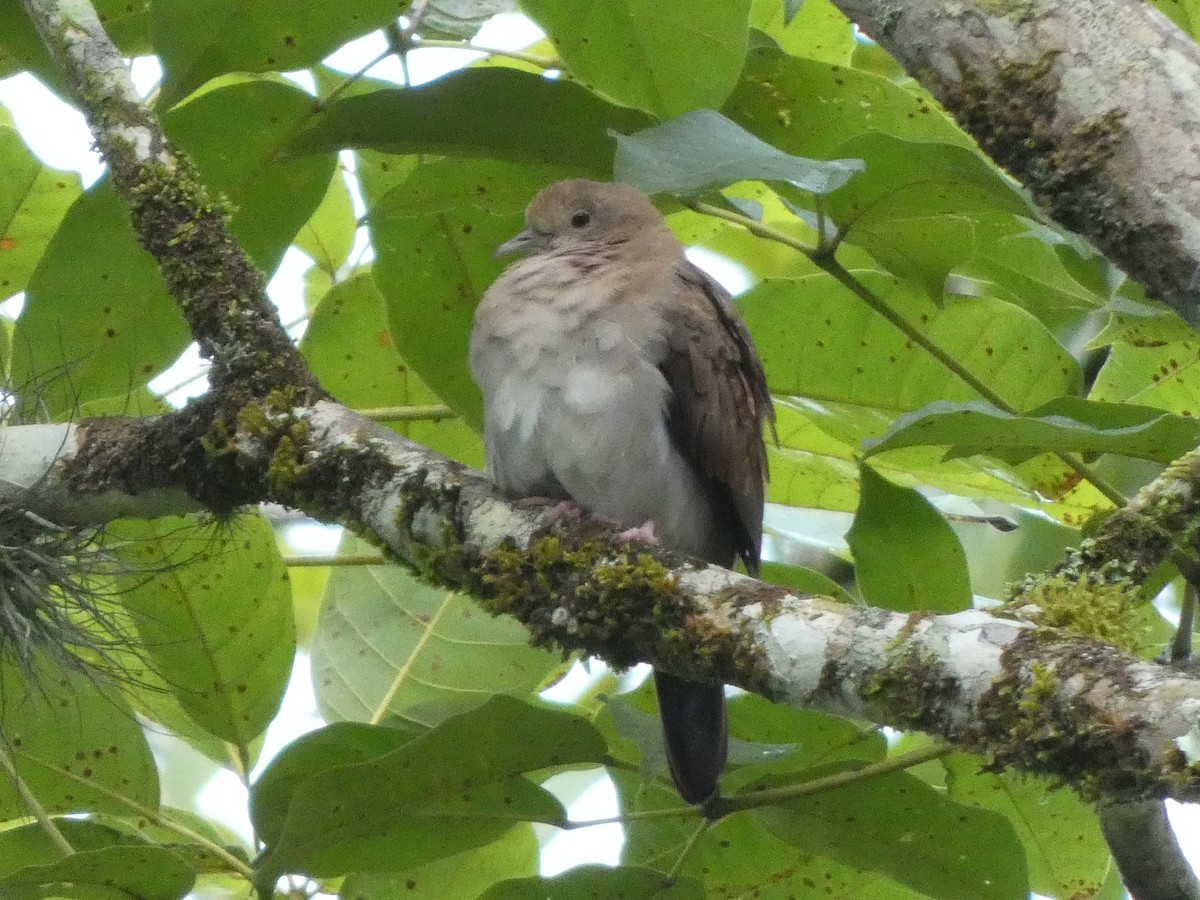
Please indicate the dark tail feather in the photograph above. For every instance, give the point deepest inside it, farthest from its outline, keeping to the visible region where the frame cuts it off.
(695, 733)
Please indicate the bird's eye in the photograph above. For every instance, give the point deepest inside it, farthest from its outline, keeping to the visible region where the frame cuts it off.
(580, 219)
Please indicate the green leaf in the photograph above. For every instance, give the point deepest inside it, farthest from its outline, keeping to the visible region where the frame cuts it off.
(738, 857)
(97, 320)
(803, 579)
(1166, 377)
(74, 741)
(328, 236)
(145, 873)
(1184, 13)
(468, 874)
(389, 648)
(1067, 424)
(818, 340)
(272, 195)
(1064, 848)
(435, 226)
(24, 846)
(598, 883)
(814, 29)
(340, 744)
(703, 150)
(495, 113)
(201, 39)
(644, 53)
(810, 108)
(214, 612)
(919, 208)
(905, 555)
(349, 348)
(897, 825)
(399, 810)
(33, 200)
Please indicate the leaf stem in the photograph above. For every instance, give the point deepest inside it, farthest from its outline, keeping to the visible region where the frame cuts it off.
(687, 849)
(155, 817)
(723, 806)
(543, 62)
(33, 805)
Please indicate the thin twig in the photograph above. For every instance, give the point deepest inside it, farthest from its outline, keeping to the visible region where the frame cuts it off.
(542, 62)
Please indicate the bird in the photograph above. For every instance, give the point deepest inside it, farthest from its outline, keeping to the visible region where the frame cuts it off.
(618, 376)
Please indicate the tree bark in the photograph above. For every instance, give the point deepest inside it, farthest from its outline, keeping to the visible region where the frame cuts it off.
(1091, 104)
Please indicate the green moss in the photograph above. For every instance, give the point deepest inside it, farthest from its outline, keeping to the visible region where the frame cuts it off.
(912, 689)
(1028, 722)
(1106, 611)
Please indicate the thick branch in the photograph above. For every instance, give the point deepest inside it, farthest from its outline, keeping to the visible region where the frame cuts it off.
(219, 290)
(1090, 103)
(1035, 699)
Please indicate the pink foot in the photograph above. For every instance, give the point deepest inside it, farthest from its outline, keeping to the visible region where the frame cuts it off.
(644, 532)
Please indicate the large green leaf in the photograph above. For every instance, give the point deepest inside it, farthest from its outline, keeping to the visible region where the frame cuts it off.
(645, 53)
(468, 874)
(33, 200)
(810, 108)
(349, 348)
(703, 150)
(906, 557)
(145, 873)
(820, 444)
(214, 611)
(272, 195)
(340, 744)
(899, 826)
(435, 226)
(818, 340)
(486, 112)
(97, 320)
(1165, 377)
(401, 810)
(1064, 847)
(74, 741)
(200, 39)
(391, 648)
(1068, 424)
(818, 31)
(599, 883)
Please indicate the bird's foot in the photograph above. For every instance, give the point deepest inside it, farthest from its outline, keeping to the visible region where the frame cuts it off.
(643, 532)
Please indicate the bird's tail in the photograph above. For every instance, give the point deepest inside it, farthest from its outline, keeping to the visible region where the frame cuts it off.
(695, 733)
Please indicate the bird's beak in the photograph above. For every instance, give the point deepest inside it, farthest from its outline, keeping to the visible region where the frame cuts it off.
(526, 241)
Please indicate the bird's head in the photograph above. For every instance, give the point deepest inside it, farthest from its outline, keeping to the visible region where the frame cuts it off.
(580, 213)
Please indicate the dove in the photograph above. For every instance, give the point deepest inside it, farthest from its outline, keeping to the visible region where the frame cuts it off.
(617, 375)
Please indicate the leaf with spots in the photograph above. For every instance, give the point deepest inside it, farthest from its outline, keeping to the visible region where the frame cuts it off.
(350, 350)
(1067, 424)
(900, 827)
(201, 39)
(389, 648)
(435, 225)
(213, 610)
(97, 320)
(121, 873)
(74, 742)
(599, 883)
(468, 874)
(459, 786)
(1063, 843)
(1164, 377)
(645, 53)
(33, 200)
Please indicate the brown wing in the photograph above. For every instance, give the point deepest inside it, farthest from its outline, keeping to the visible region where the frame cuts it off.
(719, 404)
